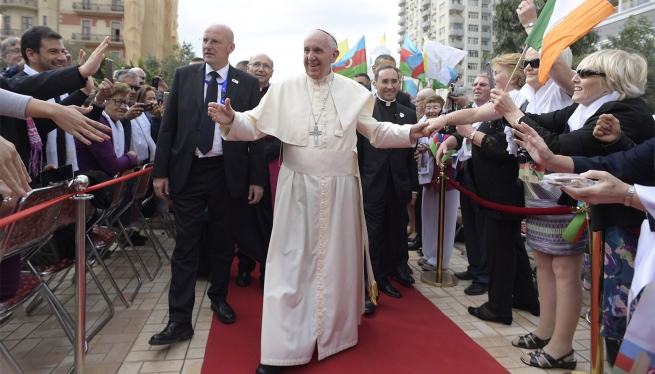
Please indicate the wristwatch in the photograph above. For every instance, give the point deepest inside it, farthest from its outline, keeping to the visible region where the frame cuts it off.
(530, 24)
(628, 196)
(472, 135)
(99, 105)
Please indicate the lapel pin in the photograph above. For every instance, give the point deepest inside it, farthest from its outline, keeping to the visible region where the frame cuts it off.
(402, 115)
(235, 81)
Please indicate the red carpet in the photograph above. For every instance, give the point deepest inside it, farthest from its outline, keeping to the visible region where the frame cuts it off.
(407, 335)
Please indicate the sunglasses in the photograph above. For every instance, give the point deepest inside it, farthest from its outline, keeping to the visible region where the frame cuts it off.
(135, 88)
(534, 63)
(585, 73)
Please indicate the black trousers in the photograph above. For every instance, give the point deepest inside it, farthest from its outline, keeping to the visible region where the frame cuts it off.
(386, 222)
(206, 186)
(473, 218)
(254, 232)
(418, 217)
(510, 275)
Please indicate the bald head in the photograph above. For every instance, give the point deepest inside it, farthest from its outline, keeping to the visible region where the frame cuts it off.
(320, 53)
(217, 44)
(142, 75)
(261, 66)
(420, 98)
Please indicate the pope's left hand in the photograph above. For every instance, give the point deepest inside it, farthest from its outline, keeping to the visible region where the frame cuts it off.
(255, 194)
(418, 131)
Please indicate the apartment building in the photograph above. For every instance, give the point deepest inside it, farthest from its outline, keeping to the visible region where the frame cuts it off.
(625, 9)
(463, 24)
(136, 27)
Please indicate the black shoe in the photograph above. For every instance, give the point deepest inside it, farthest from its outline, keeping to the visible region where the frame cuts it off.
(403, 278)
(464, 276)
(476, 289)
(419, 252)
(270, 369)
(224, 311)
(243, 279)
(173, 332)
(531, 308)
(386, 288)
(369, 307)
(415, 245)
(485, 315)
(405, 268)
(138, 237)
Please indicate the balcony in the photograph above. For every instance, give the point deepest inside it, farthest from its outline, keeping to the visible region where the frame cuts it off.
(425, 13)
(5, 33)
(426, 25)
(456, 19)
(97, 8)
(97, 38)
(485, 22)
(401, 2)
(457, 44)
(425, 4)
(401, 40)
(456, 32)
(485, 35)
(485, 48)
(401, 21)
(459, 7)
(459, 70)
(486, 10)
(401, 30)
(401, 11)
(25, 4)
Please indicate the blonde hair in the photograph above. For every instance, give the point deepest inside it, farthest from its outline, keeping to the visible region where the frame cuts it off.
(121, 88)
(625, 72)
(508, 61)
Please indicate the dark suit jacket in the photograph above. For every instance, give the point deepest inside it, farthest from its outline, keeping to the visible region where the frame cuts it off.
(178, 135)
(375, 164)
(404, 99)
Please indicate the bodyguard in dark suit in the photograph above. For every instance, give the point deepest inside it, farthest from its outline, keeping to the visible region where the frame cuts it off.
(389, 183)
(196, 168)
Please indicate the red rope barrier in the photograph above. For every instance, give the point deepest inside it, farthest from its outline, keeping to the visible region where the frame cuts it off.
(512, 209)
(37, 208)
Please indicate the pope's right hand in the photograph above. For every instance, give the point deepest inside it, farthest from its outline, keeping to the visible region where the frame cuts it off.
(223, 114)
(160, 185)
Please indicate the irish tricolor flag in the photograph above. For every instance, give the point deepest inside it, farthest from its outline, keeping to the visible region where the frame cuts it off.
(353, 62)
(560, 24)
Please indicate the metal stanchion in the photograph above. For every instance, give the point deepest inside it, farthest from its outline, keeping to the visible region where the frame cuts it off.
(597, 256)
(440, 278)
(80, 183)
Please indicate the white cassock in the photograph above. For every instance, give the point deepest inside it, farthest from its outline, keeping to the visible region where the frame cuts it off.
(314, 288)
(645, 260)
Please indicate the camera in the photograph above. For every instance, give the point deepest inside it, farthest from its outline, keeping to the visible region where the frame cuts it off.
(147, 107)
(522, 155)
(456, 91)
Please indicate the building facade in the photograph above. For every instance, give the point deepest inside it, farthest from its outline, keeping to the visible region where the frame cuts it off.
(136, 28)
(463, 24)
(624, 9)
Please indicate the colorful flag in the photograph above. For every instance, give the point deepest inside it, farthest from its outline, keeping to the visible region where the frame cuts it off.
(411, 59)
(410, 87)
(560, 24)
(438, 60)
(343, 49)
(353, 62)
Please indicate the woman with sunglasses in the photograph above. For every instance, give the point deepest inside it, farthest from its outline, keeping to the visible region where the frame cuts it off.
(606, 82)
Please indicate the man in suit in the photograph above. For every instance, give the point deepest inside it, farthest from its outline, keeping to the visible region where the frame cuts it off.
(389, 183)
(197, 169)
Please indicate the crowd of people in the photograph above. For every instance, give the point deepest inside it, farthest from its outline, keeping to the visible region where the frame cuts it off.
(321, 193)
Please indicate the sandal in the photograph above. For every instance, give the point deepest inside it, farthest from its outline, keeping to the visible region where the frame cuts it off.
(530, 341)
(543, 360)
(421, 261)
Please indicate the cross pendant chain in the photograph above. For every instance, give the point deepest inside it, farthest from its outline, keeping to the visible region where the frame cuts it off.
(315, 134)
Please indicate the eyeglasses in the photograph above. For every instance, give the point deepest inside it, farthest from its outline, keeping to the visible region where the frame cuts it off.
(135, 88)
(15, 50)
(119, 103)
(586, 73)
(534, 63)
(258, 65)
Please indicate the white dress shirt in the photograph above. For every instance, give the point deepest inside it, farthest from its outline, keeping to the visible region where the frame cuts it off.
(217, 147)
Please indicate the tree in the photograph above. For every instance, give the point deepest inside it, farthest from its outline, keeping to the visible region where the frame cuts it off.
(636, 36)
(510, 34)
(165, 68)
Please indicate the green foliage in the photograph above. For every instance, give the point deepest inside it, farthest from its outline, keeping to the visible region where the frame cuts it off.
(165, 68)
(510, 34)
(636, 36)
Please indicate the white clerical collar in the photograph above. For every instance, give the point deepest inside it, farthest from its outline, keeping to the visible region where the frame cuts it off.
(29, 71)
(327, 78)
(222, 71)
(387, 103)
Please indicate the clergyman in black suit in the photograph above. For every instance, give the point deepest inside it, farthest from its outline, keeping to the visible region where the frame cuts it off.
(389, 183)
(197, 169)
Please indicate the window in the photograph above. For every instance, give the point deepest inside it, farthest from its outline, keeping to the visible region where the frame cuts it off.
(486, 42)
(473, 53)
(486, 28)
(472, 66)
(457, 26)
(484, 18)
(474, 15)
(473, 40)
(116, 5)
(442, 19)
(442, 6)
(26, 23)
(45, 20)
(7, 24)
(86, 4)
(115, 31)
(471, 78)
(469, 92)
(442, 31)
(474, 3)
(86, 29)
(473, 28)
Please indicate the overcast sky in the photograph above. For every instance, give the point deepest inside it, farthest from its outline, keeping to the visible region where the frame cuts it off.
(278, 27)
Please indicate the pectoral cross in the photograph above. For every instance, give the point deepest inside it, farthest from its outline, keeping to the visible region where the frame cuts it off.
(315, 134)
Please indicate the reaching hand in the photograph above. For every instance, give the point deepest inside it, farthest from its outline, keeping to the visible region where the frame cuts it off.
(418, 131)
(92, 65)
(72, 120)
(105, 90)
(533, 143)
(436, 124)
(12, 169)
(503, 103)
(608, 190)
(223, 114)
(608, 128)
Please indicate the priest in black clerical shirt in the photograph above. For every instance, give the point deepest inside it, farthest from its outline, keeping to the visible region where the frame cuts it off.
(389, 183)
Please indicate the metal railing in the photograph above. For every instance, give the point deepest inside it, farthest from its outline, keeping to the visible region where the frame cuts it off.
(32, 3)
(98, 7)
(96, 37)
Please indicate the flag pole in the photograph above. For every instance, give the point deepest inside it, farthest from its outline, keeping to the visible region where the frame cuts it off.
(516, 67)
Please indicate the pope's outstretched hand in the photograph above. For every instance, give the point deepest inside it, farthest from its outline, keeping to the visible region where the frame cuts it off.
(223, 114)
(418, 131)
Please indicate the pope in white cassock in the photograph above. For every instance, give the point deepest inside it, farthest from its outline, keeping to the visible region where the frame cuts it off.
(314, 287)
